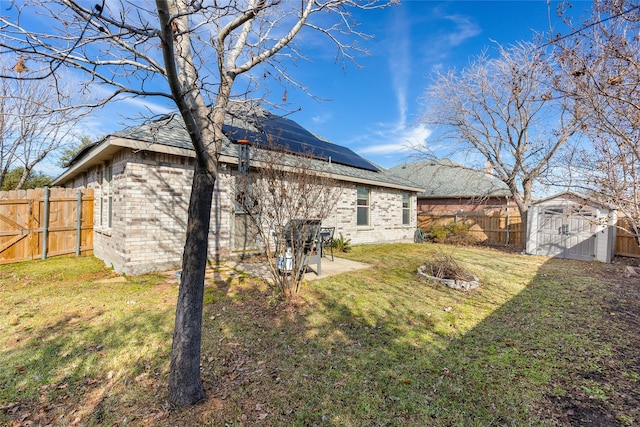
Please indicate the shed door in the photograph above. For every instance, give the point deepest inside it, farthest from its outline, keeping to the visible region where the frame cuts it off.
(567, 232)
(550, 226)
(580, 234)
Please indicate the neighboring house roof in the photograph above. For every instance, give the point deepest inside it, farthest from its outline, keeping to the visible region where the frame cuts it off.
(168, 135)
(444, 178)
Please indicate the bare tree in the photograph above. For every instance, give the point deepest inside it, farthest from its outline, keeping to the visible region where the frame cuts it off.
(505, 111)
(600, 70)
(191, 52)
(286, 203)
(35, 119)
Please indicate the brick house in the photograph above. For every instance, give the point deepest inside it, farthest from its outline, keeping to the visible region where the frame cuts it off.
(451, 188)
(142, 176)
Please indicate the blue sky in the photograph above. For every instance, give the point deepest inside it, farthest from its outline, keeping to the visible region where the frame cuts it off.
(375, 110)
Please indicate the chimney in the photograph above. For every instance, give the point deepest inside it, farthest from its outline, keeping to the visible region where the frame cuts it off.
(488, 169)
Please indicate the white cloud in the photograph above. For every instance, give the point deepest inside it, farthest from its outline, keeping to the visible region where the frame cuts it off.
(465, 29)
(145, 107)
(400, 61)
(322, 118)
(387, 143)
(130, 105)
(451, 31)
(401, 67)
(382, 149)
(394, 140)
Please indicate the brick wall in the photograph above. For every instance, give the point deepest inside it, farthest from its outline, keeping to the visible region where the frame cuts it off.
(466, 204)
(150, 196)
(385, 217)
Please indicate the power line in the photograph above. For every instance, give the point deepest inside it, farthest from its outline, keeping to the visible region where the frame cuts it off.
(593, 24)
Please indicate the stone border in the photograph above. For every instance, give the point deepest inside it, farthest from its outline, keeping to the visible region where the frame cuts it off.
(454, 284)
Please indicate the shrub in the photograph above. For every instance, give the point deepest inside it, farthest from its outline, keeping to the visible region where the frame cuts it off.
(443, 266)
(341, 244)
(454, 233)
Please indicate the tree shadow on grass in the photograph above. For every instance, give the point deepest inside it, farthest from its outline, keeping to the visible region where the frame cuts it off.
(354, 351)
(564, 350)
(550, 355)
(82, 368)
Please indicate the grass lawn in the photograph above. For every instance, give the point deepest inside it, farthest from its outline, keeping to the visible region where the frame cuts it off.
(542, 342)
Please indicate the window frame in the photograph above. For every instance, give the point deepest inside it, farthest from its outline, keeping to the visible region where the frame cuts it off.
(100, 180)
(406, 209)
(109, 196)
(105, 180)
(364, 207)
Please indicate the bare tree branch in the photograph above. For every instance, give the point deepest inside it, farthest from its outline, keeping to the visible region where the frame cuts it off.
(600, 69)
(36, 118)
(193, 53)
(508, 111)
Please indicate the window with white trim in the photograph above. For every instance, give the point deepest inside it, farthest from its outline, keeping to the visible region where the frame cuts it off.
(100, 181)
(109, 196)
(406, 209)
(105, 179)
(363, 206)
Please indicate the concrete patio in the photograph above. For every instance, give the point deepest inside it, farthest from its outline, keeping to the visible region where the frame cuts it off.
(328, 268)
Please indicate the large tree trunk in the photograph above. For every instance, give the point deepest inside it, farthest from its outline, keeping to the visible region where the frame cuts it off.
(185, 384)
(521, 198)
(23, 178)
(523, 206)
(524, 217)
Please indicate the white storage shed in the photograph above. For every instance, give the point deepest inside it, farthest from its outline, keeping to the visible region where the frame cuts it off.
(572, 226)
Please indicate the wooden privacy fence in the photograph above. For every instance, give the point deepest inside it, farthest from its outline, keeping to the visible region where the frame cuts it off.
(505, 229)
(45, 222)
(497, 229)
(626, 244)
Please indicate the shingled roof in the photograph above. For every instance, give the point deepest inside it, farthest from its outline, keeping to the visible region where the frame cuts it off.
(448, 179)
(170, 132)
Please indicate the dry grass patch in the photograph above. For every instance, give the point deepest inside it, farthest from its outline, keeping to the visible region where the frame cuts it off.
(536, 344)
(80, 344)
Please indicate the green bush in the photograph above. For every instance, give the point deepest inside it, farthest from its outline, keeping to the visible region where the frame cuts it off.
(454, 233)
(341, 244)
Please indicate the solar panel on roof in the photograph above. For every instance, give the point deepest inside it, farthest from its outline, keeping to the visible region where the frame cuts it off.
(287, 135)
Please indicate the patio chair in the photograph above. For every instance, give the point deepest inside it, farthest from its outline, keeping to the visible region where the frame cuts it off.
(302, 236)
(326, 239)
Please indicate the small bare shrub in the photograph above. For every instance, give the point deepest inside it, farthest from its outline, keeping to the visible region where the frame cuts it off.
(443, 266)
(285, 201)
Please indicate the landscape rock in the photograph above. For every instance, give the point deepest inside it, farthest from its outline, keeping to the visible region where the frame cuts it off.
(465, 285)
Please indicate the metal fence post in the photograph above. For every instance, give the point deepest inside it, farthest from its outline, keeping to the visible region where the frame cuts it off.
(45, 223)
(79, 223)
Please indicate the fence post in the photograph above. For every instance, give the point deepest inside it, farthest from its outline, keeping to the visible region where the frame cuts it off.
(79, 223)
(45, 222)
(508, 217)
